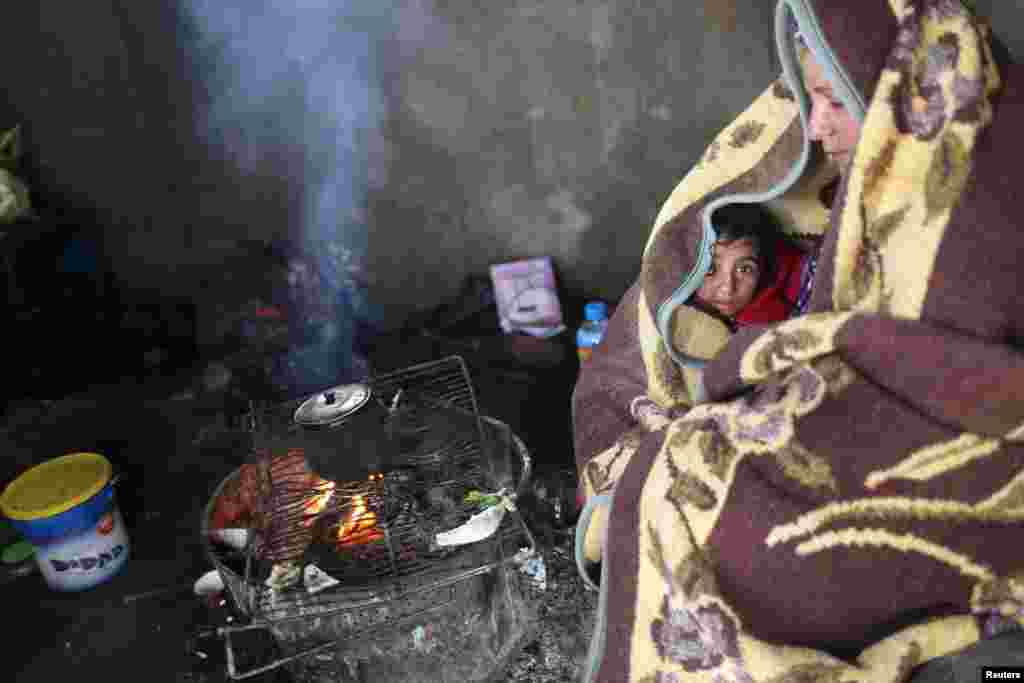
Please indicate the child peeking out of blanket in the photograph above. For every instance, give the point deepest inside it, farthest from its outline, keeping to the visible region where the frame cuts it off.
(757, 276)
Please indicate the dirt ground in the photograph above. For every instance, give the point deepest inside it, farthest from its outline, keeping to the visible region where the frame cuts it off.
(171, 453)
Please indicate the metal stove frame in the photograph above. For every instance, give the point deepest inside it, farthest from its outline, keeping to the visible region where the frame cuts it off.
(410, 588)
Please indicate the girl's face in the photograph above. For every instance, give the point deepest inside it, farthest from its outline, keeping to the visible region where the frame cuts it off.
(733, 278)
(833, 126)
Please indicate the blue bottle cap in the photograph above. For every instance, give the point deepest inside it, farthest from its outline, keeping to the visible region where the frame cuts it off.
(595, 310)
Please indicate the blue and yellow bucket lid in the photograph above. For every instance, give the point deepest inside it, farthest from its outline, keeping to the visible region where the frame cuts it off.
(55, 486)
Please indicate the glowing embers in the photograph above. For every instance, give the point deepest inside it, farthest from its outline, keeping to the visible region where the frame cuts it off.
(318, 500)
(358, 524)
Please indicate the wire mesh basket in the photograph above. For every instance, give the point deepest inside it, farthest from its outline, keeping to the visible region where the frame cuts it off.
(294, 546)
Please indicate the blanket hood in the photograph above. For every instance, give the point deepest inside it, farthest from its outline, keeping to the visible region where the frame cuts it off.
(764, 156)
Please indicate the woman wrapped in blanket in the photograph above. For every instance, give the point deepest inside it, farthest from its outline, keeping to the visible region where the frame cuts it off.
(837, 496)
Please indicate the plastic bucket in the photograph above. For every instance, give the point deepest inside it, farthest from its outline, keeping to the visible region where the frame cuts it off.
(66, 509)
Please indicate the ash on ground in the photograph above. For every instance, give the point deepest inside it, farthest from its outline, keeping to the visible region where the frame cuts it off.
(552, 651)
(566, 621)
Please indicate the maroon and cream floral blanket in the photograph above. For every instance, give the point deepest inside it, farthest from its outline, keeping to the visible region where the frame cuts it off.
(838, 497)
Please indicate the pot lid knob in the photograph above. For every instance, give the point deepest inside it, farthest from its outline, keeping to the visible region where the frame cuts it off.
(331, 405)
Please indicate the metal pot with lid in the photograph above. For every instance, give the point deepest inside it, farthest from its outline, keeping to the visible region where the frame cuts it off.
(351, 432)
(344, 433)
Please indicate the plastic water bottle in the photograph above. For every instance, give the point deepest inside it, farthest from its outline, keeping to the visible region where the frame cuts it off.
(595, 323)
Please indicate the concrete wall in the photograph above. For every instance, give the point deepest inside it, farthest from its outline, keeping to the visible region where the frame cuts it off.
(569, 128)
(456, 135)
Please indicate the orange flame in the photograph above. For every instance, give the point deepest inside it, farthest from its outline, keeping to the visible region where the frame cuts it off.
(361, 524)
(315, 505)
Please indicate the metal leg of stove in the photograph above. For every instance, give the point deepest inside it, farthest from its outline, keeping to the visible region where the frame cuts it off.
(527, 463)
(520, 449)
(523, 481)
(229, 653)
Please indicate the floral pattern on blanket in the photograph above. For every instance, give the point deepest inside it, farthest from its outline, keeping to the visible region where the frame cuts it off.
(699, 638)
(602, 473)
(760, 422)
(920, 104)
(692, 630)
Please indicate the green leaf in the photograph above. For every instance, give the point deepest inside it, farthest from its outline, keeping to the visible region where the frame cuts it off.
(482, 500)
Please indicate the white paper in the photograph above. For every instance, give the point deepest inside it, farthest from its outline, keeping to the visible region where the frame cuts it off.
(317, 579)
(232, 538)
(209, 583)
(476, 528)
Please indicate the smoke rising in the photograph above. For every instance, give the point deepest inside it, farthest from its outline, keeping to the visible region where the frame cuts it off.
(304, 76)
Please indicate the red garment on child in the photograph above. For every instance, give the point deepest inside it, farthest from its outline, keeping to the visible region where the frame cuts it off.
(774, 303)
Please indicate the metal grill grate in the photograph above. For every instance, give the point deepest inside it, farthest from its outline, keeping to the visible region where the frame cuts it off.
(377, 536)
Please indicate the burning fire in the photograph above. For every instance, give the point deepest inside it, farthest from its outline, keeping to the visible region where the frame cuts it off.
(316, 503)
(361, 524)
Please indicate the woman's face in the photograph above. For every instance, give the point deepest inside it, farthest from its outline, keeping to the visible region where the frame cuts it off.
(732, 280)
(833, 126)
